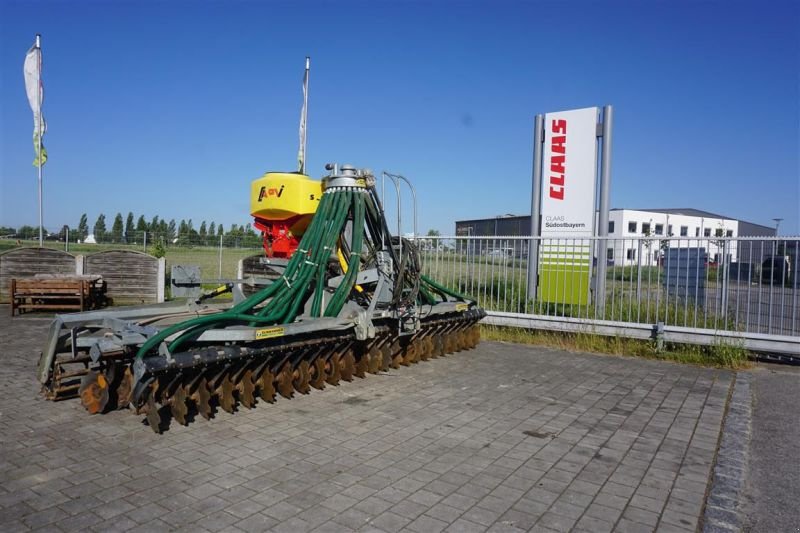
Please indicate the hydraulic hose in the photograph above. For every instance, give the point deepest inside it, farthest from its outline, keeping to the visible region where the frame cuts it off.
(442, 288)
(341, 293)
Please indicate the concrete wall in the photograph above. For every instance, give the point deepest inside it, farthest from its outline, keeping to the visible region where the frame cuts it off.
(131, 277)
(27, 262)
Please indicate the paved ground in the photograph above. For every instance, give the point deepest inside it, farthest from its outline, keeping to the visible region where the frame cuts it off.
(773, 485)
(500, 438)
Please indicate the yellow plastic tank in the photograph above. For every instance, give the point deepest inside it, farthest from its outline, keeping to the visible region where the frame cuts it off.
(278, 196)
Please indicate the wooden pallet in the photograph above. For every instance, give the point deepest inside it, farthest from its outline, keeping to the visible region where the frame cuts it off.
(77, 293)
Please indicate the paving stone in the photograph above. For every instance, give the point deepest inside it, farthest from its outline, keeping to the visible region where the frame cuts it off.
(332, 527)
(641, 516)
(79, 522)
(481, 516)
(389, 522)
(614, 434)
(519, 519)
(353, 518)
(465, 526)
(282, 510)
(215, 522)
(595, 525)
(556, 522)
(628, 526)
(444, 512)
(427, 524)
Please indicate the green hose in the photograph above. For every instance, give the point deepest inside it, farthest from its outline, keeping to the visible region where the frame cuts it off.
(304, 275)
(194, 328)
(286, 294)
(341, 293)
(442, 288)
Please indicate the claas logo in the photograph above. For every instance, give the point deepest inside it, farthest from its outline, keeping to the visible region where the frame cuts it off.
(272, 191)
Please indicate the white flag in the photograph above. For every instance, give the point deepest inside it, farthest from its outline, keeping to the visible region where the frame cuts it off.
(35, 91)
(301, 154)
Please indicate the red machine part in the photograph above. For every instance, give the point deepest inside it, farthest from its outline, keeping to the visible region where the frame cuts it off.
(278, 238)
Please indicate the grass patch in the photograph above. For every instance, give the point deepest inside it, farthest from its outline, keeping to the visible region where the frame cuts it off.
(718, 356)
(206, 257)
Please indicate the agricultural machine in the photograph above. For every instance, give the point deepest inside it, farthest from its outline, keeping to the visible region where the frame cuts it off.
(348, 299)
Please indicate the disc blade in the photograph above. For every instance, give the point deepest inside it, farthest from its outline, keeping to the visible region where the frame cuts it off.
(178, 406)
(302, 376)
(153, 417)
(266, 387)
(247, 389)
(284, 381)
(334, 370)
(348, 365)
(318, 374)
(202, 398)
(225, 395)
(94, 392)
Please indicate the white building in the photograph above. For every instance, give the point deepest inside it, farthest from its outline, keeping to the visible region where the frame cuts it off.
(644, 234)
(666, 228)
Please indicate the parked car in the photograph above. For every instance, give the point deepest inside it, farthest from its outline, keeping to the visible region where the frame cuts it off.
(776, 270)
(501, 252)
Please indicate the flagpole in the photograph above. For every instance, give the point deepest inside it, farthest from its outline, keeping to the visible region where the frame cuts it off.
(39, 129)
(305, 114)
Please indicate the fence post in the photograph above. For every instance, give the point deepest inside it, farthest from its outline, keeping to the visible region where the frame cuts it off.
(536, 207)
(145, 242)
(162, 269)
(639, 268)
(602, 222)
(725, 276)
(220, 257)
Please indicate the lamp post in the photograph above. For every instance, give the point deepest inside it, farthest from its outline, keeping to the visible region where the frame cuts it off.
(777, 224)
(775, 243)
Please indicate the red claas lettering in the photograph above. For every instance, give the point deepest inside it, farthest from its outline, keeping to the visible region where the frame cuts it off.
(558, 163)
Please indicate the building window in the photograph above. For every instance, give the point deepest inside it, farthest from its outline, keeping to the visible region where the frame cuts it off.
(729, 233)
(684, 231)
(631, 227)
(610, 254)
(696, 232)
(611, 226)
(630, 254)
(706, 232)
(669, 230)
(645, 228)
(659, 229)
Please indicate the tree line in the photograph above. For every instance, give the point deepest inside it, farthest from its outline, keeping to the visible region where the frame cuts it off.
(125, 230)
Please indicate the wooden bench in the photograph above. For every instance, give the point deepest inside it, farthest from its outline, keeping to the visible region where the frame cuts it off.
(47, 293)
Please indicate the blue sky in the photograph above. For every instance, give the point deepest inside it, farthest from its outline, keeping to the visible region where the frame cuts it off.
(172, 108)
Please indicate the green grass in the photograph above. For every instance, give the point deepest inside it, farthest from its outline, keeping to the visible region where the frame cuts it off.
(500, 284)
(718, 356)
(207, 257)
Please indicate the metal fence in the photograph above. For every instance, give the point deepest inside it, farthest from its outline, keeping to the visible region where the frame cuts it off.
(698, 288)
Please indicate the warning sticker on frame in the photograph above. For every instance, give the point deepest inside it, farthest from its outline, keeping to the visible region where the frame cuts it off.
(269, 333)
(462, 307)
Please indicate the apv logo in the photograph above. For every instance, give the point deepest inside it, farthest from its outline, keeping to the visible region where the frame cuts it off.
(272, 191)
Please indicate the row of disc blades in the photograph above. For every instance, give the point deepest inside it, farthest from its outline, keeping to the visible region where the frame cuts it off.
(185, 394)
